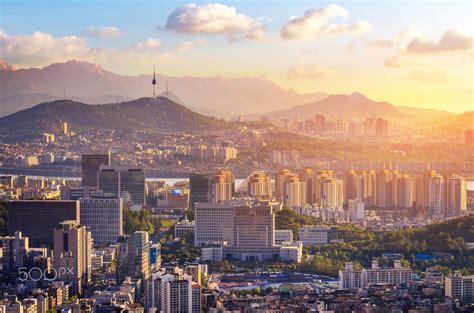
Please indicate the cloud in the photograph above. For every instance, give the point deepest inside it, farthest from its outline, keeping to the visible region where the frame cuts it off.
(437, 75)
(403, 60)
(149, 43)
(315, 22)
(311, 72)
(215, 18)
(40, 47)
(403, 36)
(103, 32)
(189, 45)
(451, 40)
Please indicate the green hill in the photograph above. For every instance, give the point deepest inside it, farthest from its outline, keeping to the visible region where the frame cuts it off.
(148, 114)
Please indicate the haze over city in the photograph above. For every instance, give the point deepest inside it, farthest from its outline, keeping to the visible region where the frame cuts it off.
(237, 156)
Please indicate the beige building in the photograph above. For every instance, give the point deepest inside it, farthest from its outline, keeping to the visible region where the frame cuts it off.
(72, 254)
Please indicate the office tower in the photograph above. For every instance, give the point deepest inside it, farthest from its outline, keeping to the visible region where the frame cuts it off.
(214, 222)
(356, 209)
(139, 255)
(436, 195)
(104, 218)
(221, 186)
(173, 290)
(319, 123)
(369, 126)
(295, 191)
(72, 254)
(259, 186)
(455, 202)
(36, 219)
(90, 167)
(350, 186)
(198, 188)
(459, 287)
(123, 182)
(280, 180)
(332, 193)
(254, 228)
(14, 250)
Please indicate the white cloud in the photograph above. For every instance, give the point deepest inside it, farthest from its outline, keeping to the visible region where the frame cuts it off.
(316, 22)
(215, 18)
(189, 45)
(149, 43)
(311, 72)
(40, 47)
(451, 40)
(403, 60)
(104, 32)
(402, 37)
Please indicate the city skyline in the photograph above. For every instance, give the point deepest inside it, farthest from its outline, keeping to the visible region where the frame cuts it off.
(306, 46)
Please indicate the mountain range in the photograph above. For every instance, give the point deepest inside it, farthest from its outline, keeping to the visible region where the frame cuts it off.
(90, 83)
(148, 114)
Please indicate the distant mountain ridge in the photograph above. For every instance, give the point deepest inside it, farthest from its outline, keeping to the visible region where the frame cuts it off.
(150, 114)
(353, 106)
(78, 79)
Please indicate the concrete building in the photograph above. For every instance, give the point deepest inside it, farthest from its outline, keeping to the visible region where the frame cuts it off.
(214, 222)
(90, 167)
(314, 235)
(349, 278)
(259, 186)
(138, 256)
(456, 196)
(36, 219)
(294, 192)
(184, 228)
(283, 235)
(459, 287)
(173, 290)
(291, 251)
(212, 251)
(356, 210)
(104, 218)
(221, 186)
(72, 254)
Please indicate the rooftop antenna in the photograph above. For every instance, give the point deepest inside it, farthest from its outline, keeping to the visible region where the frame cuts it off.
(153, 82)
(64, 95)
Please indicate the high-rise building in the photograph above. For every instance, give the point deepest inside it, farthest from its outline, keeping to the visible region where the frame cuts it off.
(72, 254)
(356, 209)
(259, 186)
(386, 188)
(459, 287)
(309, 178)
(222, 186)
(123, 182)
(406, 191)
(214, 222)
(138, 257)
(36, 219)
(14, 250)
(198, 188)
(280, 180)
(90, 167)
(456, 196)
(104, 218)
(436, 195)
(295, 191)
(173, 290)
(319, 123)
(331, 193)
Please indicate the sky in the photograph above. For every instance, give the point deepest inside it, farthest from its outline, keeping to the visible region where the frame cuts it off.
(414, 53)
